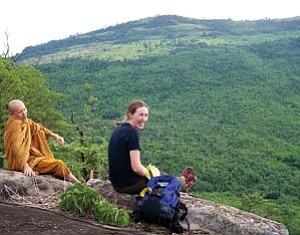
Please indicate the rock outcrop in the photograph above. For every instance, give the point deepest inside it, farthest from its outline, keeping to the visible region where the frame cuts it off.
(203, 215)
(17, 182)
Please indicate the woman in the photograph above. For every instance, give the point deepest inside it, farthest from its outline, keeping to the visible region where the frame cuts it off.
(126, 172)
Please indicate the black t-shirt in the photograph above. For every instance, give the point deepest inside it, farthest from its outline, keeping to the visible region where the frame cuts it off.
(123, 139)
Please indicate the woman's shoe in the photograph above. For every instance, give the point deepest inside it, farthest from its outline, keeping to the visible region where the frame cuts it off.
(189, 176)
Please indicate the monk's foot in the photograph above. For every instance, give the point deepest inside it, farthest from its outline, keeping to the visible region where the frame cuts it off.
(71, 178)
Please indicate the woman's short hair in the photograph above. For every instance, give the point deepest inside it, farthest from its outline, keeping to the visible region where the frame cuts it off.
(134, 105)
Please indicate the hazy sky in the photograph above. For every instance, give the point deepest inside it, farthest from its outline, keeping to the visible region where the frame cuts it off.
(32, 22)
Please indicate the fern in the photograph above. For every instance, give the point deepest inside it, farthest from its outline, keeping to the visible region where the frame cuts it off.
(81, 200)
(108, 213)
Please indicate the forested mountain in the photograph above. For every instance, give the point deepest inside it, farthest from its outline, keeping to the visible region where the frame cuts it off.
(224, 97)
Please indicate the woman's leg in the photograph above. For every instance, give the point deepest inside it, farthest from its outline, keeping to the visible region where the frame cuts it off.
(133, 189)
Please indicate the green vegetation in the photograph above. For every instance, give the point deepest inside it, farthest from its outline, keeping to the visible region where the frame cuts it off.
(108, 213)
(81, 200)
(224, 97)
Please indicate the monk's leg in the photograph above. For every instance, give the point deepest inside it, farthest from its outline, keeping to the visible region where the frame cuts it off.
(57, 168)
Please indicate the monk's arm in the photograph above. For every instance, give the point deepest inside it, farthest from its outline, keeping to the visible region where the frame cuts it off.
(48, 133)
(58, 138)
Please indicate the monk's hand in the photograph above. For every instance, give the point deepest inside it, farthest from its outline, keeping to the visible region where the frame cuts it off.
(27, 170)
(59, 139)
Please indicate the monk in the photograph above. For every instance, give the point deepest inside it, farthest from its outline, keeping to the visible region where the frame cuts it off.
(26, 147)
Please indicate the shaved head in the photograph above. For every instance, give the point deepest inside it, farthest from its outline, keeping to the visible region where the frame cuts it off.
(13, 104)
(17, 108)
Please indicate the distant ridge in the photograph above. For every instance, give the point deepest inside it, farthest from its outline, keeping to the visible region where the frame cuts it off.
(157, 28)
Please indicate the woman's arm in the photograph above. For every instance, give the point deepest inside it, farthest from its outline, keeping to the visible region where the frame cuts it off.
(136, 164)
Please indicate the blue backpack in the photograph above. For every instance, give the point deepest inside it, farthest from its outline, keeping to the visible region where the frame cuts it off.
(161, 204)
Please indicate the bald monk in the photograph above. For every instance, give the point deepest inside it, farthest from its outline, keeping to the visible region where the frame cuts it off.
(26, 147)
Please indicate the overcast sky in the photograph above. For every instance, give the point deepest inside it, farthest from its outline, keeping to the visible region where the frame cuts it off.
(32, 22)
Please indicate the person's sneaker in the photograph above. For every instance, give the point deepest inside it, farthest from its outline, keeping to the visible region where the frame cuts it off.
(190, 183)
(188, 172)
(189, 177)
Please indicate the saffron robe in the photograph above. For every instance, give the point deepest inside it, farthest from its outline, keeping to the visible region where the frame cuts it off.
(26, 141)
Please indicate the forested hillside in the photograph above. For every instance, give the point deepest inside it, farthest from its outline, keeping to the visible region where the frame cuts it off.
(224, 97)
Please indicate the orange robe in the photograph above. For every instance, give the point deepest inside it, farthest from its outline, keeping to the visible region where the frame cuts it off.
(26, 141)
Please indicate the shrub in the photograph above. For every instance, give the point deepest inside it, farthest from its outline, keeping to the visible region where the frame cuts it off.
(108, 213)
(81, 200)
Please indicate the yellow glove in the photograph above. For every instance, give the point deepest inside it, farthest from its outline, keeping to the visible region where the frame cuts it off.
(152, 171)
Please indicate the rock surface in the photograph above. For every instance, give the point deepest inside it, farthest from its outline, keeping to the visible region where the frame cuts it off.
(205, 217)
(203, 214)
(17, 182)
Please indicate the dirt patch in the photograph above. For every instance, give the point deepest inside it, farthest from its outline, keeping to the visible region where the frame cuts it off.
(16, 219)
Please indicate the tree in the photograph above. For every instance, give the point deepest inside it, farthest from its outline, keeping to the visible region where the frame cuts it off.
(89, 146)
(5, 53)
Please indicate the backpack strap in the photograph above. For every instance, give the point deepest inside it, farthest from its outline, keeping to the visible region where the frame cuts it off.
(181, 214)
(144, 192)
(183, 210)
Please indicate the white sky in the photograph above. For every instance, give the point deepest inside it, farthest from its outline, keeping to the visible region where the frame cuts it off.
(32, 22)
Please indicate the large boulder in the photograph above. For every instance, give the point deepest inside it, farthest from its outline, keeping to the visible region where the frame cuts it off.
(203, 214)
(18, 183)
(213, 218)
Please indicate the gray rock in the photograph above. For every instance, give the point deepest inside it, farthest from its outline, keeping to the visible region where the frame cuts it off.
(17, 182)
(203, 214)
